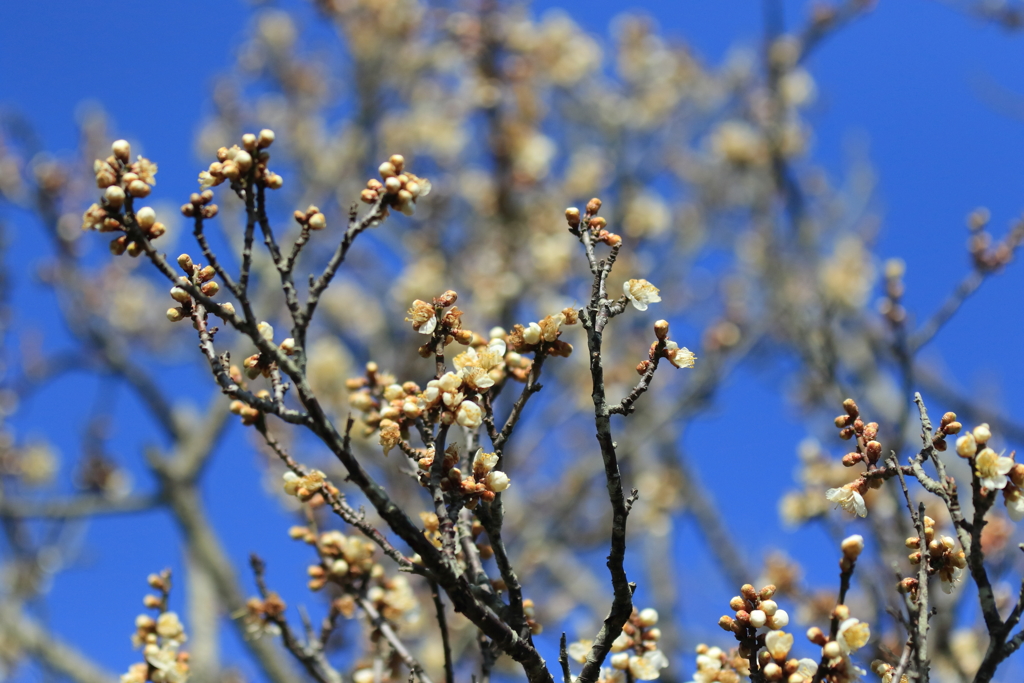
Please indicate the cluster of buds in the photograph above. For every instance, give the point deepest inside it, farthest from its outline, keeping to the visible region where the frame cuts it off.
(385, 405)
(262, 616)
(263, 364)
(993, 470)
(200, 204)
(544, 336)
(342, 559)
(237, 165)
(777, 664)
(348, 563)
(852, 635)
(678, 356)
(245, 411)
(399, 188)
(482, 483)
(307, 486)
(121, 182)
(311, 219)
(753, 609)
(197, 276)
(160, 639)
(716, 665)
(635, 650)
(852, 426)
(986, 256)
(948, 426)
(590, 221)
(432, 319)
(941, 556)
(867, 449)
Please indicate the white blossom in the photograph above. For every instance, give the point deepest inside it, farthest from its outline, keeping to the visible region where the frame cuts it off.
(992, 469)
(849, 498)
(641, 293)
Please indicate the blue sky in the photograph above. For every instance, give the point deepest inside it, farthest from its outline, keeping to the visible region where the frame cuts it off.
(935, 98)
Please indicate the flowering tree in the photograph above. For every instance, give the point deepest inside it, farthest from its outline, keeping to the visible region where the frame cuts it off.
(439, 464)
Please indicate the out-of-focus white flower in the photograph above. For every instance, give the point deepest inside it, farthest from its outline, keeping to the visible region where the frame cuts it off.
(1014, 500)
(649, 666)
(853, 635)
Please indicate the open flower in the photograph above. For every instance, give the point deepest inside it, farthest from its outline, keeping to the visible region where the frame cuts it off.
(778, 644)
(641, 293)
(992, 469)
(649, 666)
(680, 357)
(422, 316)
(853, 635)
(849, 498)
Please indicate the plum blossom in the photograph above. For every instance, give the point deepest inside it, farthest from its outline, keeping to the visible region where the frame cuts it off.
(992, 469)
(849, 498)
(641, 293)
(680, 357)
(853, 635)
(422, 316)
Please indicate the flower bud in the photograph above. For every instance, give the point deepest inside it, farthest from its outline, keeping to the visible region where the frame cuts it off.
(244, 161)
(966, 446)
(175, 314)
(122, 150)
(850, 406)
(114, 196)
(145, 217)
(137, 188)
(648, 617)
(853, 546)
(317, 221)
(180, 295)
(982, 433)
(593, 206)
(266, 138)
(572, 216)
(661, 329)
(851, 459)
